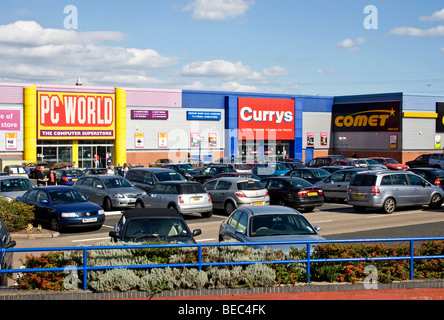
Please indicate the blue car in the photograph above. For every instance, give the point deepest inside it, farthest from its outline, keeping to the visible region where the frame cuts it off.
(67, 177)
(63, 207)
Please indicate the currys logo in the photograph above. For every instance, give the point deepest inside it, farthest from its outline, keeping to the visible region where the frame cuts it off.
(266, 119)
(248, 114)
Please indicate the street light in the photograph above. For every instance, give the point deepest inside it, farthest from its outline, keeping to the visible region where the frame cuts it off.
(342, 139)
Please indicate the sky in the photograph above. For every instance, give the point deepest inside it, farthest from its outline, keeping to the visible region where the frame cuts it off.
(309, 47)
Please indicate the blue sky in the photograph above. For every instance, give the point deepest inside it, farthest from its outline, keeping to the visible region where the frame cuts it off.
(281, 46)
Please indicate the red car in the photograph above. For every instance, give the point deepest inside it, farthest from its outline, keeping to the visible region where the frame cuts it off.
(390, 163)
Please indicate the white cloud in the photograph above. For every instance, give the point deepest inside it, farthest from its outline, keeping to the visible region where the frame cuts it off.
(225, 86)
(408, 31)
(30, 52)
(436, 16)
(351, 45)
(275, 71)
(218, 9)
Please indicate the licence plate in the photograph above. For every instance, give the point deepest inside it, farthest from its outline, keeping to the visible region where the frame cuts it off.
(74, 179)
(358, 196)
(89, 220)
(311, 194)
(196, 199)
(258, 203)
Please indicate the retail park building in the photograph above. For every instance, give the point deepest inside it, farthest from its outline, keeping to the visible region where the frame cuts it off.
(59, 123)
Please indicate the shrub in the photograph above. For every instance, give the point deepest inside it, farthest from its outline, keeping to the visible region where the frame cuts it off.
(16, 215)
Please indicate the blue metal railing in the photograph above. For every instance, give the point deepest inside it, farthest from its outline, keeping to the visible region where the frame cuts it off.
(200, 264)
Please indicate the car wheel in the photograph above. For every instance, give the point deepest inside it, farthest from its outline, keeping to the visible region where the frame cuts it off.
(229, 207)
(207, 214)
(107, 205)
(436, 201)
(389, 205)
(54, 223)
(140, 205)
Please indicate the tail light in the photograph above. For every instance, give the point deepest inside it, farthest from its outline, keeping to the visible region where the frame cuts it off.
(65, 179)
(321, 192)
(437, 182)
(266, 193)
(375, 191)
(302, 193)
(181, 199)
(241, 194)
(209, 198)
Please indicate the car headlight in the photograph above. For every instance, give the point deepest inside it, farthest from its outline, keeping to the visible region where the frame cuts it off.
(8, 198)
(119, 195)
(69, 214)
(101, 212)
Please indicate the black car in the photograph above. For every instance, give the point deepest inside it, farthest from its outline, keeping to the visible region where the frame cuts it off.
(293, 192)
(433, 175)
(323, 161)
(186, 170)
(151, 225)
(421, 161)
(6, 259)
(312, 175)
(211, 171)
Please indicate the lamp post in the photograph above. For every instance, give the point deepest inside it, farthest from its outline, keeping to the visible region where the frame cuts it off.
(201, 139)
(342, 139)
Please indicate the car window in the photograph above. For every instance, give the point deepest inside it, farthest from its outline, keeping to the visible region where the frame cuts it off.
(235, 218)
(116, 182)
(296, 182)
(146, 178)
(191, 188)
(386, 181)
(249, 185)
(243, 222)
(3, 234)
(337, 176)
(31, 195)
(210, 185)
(415, 180)
(399, 179)
(171, 189)
(88, 182)
(349, 175)
(159, 189)
(275, 185)
(167, 176)
(11, 185)
(363, 180)
(97, 183)
(41, 195)
(223, 185)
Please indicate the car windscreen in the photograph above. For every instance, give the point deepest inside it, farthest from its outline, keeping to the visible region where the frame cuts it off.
(12, 185)
(298, 183)
(363, 180)
(151, 229)
(66, 196)
(116, 182)
(169, 176)
(73, 173)
(320, 173)
(280, 224)
(185, 167)
(249, 185)
(191, 188)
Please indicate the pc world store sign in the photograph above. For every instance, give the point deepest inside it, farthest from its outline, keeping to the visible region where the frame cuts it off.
(266, 119)
(72, 116)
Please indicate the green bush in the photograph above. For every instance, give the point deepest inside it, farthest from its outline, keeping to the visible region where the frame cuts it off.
(16, 215)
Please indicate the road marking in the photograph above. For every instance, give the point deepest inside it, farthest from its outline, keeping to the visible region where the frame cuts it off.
(324, 221)
(205, 240)
(392, 214)
(112, 213)
(111, 227)
(92, 239)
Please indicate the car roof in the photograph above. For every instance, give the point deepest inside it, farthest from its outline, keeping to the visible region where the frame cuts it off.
(271, 209)
(178, 182)
(13, 177)
(52, 188)
(151, 213)
(234, 179)
(151, 169)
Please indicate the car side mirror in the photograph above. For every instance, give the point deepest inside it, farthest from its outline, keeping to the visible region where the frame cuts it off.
(318, 228)
(240, 231)
(99, 186)
(197, 232)
(114, 234)
(10, 244)
(44, 201)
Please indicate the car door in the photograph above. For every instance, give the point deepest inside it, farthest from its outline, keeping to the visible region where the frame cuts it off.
(210, 187)
(155, 197)
(420, 190)
(98, 191)
(333, 185)
(275, 187)
(42, 206)
(236, 227)
(401, 189)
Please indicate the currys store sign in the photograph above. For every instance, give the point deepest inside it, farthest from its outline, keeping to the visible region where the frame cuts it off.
(266, 119)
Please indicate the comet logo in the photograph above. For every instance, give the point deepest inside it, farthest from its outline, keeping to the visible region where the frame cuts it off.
(247, 114)
(361, 119)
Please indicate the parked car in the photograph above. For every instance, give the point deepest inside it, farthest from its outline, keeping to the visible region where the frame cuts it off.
(333, 168)
(234, 192)
(335, 185)
(183, 196)
(312, 175)
(243, 167)
(389, 190)
(269, 223)
(421, 161)
(211, 171)
(46, 167)
(151, 225)
(235, 174)
(293, 192)
(390, 163)
(161, 162)
(12, 187)
(437, 160)
(351, 162)
(370, 164)
(94, 171)
(63, 207)
(433, 175)
(109, 191)
(323, 161)
(186, 170)
(6, 259)
(147, 178)
(16, 170)
(269, 169)
(67, 177)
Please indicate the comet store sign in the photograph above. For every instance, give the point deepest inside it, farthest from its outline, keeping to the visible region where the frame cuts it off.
(73, 116)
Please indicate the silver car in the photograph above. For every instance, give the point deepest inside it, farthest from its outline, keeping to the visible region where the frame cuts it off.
(335, 185)
(183, 196)
(109, 191)
(269, 223)
(233, 192)
(389, 190)
(12, 187)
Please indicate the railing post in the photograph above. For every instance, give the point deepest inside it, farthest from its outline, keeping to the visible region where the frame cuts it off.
(411, 259)
(308, 262)
(199, 248)
(85, 265)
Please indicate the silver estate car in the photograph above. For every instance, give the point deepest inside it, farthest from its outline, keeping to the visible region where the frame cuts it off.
(12, 187)
(109, 191)
(389, 190)
(269, 223)
(184, 196)
(233, 192)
